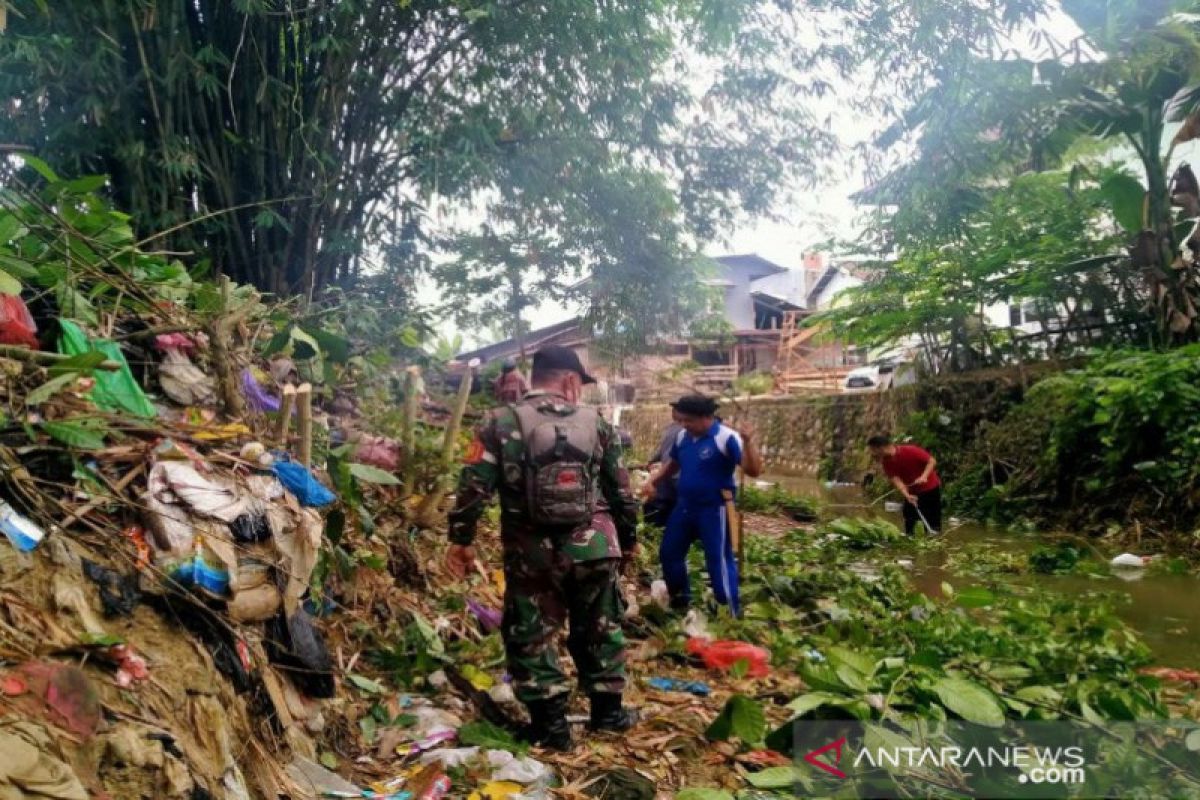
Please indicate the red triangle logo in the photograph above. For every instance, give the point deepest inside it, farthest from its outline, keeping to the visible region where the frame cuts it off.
(836, 747)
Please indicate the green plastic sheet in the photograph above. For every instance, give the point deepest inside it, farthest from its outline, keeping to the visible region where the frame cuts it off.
(114, 391)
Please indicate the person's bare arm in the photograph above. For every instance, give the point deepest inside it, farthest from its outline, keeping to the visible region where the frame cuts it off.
(666, 471)
(903, 489)
(926, 472)
(752, 461)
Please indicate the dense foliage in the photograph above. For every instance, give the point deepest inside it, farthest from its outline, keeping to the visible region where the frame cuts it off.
(970, 221)
(1108, 444)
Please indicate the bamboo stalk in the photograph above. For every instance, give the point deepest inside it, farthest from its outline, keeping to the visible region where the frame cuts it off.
(409, 441)
(304, 403)
(429, 506)
(49, 359)
(285, 415)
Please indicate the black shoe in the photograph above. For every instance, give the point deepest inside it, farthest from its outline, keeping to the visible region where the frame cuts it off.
(548, 726)
(609, 715)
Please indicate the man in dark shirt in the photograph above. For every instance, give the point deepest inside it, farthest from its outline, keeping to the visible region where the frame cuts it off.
(913, 471)
(658, 510)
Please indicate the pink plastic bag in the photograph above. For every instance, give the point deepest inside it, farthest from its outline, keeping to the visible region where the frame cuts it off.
(724, 653)
(378, 451)
(16, 323)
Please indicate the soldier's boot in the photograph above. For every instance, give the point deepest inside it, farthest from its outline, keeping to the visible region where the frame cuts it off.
(548, 726)
(609, 715)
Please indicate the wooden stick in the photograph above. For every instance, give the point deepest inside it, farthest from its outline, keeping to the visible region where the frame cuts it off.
(49, 359)
(285, 415)
(304, 403)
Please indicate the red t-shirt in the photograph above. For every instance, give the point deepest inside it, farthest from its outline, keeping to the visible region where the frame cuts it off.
(907, 464)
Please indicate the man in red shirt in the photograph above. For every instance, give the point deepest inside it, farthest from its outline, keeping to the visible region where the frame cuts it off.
(914, 474)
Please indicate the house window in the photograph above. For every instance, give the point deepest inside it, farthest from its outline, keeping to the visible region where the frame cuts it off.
(1014, 316)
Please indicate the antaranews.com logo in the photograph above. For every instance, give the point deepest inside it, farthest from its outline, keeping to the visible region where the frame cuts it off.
(1020, 760)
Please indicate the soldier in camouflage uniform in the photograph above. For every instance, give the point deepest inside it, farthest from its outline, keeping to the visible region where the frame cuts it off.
(554, 573)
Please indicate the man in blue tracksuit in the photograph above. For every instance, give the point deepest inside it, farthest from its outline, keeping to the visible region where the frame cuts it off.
(705, 455)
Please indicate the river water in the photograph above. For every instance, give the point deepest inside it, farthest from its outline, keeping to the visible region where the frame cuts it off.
(1164, 609)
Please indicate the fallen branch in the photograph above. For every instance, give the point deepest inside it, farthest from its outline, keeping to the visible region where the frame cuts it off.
(48, 359)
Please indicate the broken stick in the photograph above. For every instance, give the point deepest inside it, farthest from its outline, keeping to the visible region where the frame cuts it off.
(304, 404)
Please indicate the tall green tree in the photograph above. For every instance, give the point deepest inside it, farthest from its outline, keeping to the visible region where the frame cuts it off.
(1041, 242)
(308, 129)
(293, 143)
(1132, 71)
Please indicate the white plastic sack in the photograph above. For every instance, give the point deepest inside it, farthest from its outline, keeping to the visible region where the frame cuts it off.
(525, 770)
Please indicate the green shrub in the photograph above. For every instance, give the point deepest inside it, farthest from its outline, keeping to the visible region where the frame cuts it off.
(754, 383)
(777, 500)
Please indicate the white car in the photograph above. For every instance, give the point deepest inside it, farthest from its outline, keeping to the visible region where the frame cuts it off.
(880, 376)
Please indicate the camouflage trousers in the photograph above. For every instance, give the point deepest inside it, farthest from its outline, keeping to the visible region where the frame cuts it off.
(539, 598)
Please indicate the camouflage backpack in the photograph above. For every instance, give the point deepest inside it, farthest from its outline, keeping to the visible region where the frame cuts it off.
(557, 464)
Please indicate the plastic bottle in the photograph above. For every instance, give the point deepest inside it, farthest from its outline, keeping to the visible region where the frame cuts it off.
(22, 532)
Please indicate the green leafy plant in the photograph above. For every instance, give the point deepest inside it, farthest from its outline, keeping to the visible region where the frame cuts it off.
(777, 500)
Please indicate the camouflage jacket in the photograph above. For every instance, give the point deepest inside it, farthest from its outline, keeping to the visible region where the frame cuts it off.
(614, 524)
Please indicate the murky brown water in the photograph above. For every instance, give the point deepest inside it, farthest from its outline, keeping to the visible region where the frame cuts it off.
(1164, 609)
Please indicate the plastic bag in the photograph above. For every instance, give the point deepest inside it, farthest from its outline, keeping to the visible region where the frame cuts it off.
(16, 323)
(114, 391)
(299, 650)
(258, 398)
(724, 653)
(300, 482)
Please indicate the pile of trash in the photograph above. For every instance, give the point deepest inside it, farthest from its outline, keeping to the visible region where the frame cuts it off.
(190, 610)
(158, 632)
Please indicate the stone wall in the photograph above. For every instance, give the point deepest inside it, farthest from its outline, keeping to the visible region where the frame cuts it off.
(825, 436)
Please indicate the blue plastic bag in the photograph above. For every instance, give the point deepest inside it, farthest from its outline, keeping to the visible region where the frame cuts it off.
(698, 688)
(299, 481)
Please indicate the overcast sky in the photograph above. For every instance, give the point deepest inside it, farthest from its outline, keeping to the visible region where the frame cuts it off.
(812, 217)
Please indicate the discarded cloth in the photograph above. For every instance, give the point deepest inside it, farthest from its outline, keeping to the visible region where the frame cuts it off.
(174, 480)
(298, 480)
(28, 771)
(114, 391)
(184, 382)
